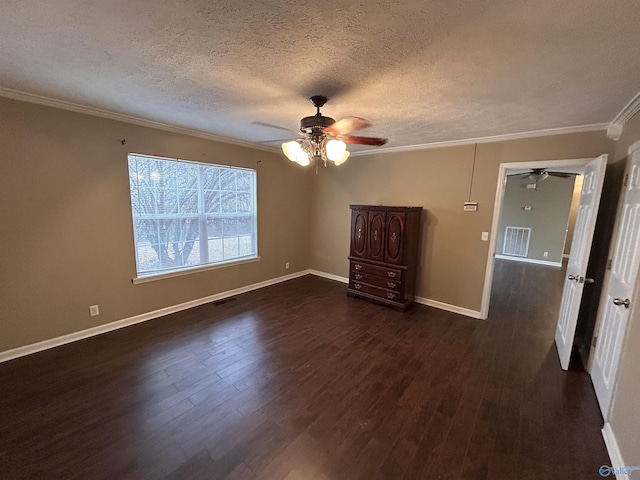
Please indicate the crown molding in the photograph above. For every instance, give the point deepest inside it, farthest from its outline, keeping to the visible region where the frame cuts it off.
(121, 117)
(614, 130)
(494, 138)
(630, 109)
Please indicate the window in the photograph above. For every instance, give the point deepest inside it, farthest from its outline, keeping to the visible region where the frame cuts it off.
(188, 214)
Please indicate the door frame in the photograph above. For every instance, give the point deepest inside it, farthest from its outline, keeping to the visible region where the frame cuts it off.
(497, 213)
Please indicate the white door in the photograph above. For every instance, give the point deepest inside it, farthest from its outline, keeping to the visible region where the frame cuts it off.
(579, 257)
(618, 297)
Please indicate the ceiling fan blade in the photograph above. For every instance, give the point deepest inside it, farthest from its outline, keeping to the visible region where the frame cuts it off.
(279, 140)
(519, 174)
(561, 174)
(364, 140)
(270, 125)
(346, 125)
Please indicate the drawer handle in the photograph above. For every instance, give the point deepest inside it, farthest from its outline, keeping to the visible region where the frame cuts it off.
(391, 274)
(391, 295)
(357, 266)
(357, 286)
(391, 284)
(357, 276)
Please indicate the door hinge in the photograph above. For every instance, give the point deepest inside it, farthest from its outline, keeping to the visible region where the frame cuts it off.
(609, 262)
(626, 180)
(594, 340)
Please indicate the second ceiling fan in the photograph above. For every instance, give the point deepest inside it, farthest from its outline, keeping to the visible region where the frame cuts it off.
(540, 174)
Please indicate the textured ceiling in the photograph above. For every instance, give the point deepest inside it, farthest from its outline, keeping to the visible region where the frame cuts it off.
(421, 71)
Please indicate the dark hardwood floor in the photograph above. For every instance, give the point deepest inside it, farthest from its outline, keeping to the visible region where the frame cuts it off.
(298, 381)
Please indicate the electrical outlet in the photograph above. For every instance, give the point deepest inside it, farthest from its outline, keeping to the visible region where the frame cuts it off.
(485, 236)
(94, 310)
(545, 254)
(286, 266)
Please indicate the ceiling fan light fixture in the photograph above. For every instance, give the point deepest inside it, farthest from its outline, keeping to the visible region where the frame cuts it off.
(342, 159)
(325, 139)
(291, 150)
(302, 158)
(335, 150)
(539, 176)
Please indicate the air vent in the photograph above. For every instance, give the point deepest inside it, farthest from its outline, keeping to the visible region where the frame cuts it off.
(223, 301)
(516, 241)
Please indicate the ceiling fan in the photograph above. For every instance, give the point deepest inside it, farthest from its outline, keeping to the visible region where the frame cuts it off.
(324, 138)
(540, 174)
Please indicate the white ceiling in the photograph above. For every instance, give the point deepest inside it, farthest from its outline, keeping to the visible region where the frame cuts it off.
(421, 71)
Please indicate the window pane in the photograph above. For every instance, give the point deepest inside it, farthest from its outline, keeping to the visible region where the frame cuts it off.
(166, 200)
(245, 226)
(243, 179)
(244, 202)
(188, 201)
(230, 227)
(227, 179)
(211, 201)
(210, 178)
(228, 202)
(230, 248)
(214, 228)
(246, 246)
(177, 240)
(187, 175)
(215, 250)
(147, 258)
(171, 201)
(146, 230)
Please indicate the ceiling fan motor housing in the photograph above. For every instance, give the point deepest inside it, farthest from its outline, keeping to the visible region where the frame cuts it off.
(316, 122)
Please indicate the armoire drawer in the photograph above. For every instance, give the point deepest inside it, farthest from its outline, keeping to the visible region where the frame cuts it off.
(376, 291)
(389, 283)
(385, 272)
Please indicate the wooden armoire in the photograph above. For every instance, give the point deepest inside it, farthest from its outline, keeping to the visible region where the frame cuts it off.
(384, 254)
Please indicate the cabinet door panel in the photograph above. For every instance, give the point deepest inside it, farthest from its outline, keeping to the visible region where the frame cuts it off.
(394, 241)
(359, 233)
(376, 235)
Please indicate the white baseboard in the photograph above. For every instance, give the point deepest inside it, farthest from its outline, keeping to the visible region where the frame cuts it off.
(143, 317)
(449, 308)
(423, 301)
(614, 453)
(529, 260)
(330, 276)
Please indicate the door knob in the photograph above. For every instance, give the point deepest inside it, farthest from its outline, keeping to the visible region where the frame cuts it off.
(619, 301)
(589, 280)
(575, 278)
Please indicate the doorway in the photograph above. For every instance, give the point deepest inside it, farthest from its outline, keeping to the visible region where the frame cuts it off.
(494, 247)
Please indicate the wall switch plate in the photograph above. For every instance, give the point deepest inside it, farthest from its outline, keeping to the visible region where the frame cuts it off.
(485, 236)
(545, 254)
(286, 266)
(470, 206)
(94, 310)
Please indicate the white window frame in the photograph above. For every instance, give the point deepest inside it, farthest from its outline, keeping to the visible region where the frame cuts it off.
(202, 217)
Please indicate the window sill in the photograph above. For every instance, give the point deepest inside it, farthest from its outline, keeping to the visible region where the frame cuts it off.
(187, 271)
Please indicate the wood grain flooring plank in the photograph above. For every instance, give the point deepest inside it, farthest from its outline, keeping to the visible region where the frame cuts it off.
(298, 381)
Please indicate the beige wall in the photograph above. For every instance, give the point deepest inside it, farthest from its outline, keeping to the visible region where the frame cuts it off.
(66, 234)
(67, 241)
(453, 257)
(548, 218)
(625, 412)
